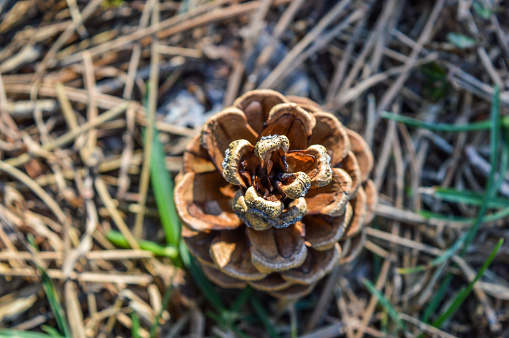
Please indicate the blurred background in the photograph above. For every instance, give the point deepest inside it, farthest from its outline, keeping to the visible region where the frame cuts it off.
(83, 250)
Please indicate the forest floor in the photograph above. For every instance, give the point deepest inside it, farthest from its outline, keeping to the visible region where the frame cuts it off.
(82, 249)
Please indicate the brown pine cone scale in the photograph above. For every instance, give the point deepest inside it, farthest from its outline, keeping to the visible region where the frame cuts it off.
(274, 193)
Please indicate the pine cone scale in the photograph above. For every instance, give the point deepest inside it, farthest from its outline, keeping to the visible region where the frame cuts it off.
(277, 249)
(292, 121)
(315, 267)
(204, 202)
(257, 105)
(331, 134)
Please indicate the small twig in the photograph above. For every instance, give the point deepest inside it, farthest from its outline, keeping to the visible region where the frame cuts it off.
(484, 167)
(341, 66)
(140, 279)
(71, 134)
(325, 299)
(30, 183)
(268, 50)
(62, 39)
(386, 12)
(255, 27)
(368, 311)
(425, 35)
(135, 56)
(102, 190)
(92, 105)
(275, 76)
(76, 18)
(202, 15)
(424, 327)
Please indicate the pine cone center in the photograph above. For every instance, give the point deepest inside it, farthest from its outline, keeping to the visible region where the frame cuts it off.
(272, 188)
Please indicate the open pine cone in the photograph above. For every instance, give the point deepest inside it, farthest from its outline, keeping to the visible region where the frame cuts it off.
(274, 193)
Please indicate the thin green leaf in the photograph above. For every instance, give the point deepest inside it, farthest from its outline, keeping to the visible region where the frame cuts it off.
(109, 4)
(51, 331)
(438, 260)
(482, 10)
(227, 318)
(443, 127)
(53, 300)
(135, 328)
(463, 294)
(293, 322)
(491, 188)
(498, 215)
(31, 240)
(433, 215)
(238, 332)
(22, 334)
(467, 197)
(437, 298)
(119, 240)
(263, 317)
(201, 281)
(222, 320)
(163, 193)
(504, 160)
(166, 301)
(384, 322)
(241, 300)
(490, 191)
(162, 185)
(461, 40)
(385, 303)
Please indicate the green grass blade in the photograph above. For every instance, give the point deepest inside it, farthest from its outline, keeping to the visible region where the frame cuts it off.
(135, 328)
(294, 331)
(463, 294)
(437, 298)
(264, 318)
(162, 185)
(504, 160)
(494, 157)
(433, 215)
(228, 317)
(22, 334)
(437, 261)
(238, 332)
(503, 213)
(241, 300)
(461, 40)
(482, 10)
(53, 299)
(51, 331)
(119, 240)
(166, 301)
(201, 280)
(56, 307)
(385, 303)
(497, 215)
(444, 127)
(490, 191)
(468, 197)
(225, 323)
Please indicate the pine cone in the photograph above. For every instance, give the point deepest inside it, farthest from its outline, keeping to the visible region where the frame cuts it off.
(274, 193)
